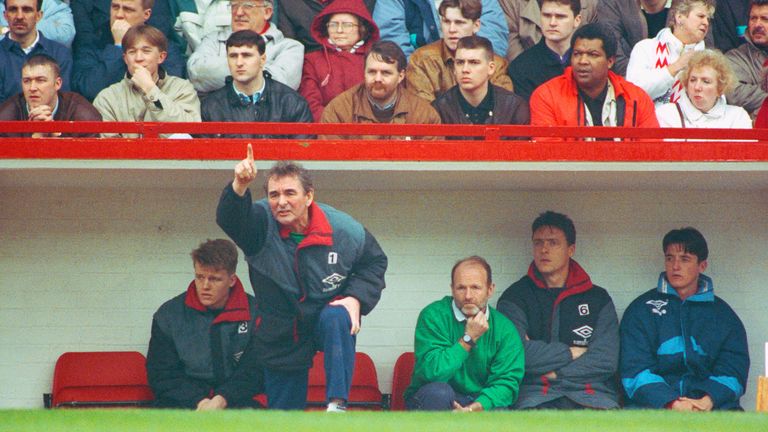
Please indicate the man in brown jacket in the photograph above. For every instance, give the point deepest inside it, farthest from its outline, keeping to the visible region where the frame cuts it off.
(41, 98)
(381, 97)
(430, 70)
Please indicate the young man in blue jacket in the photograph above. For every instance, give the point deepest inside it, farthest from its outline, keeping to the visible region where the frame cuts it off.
(682, 347)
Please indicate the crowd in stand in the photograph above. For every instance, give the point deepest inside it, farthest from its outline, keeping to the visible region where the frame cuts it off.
(645, 63)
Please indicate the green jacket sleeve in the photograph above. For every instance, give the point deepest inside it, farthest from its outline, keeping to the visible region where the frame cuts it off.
(507, 368)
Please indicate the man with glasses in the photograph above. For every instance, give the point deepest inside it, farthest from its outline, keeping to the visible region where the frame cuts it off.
(208, 64)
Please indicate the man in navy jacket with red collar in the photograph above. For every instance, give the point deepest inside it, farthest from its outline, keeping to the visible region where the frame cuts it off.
(314, 271)
(199, 337)
(568, 325)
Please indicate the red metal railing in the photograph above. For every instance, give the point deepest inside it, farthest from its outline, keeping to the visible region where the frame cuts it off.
(551, 144)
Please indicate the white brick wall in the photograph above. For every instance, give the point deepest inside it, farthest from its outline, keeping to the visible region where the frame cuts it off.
(84, 268)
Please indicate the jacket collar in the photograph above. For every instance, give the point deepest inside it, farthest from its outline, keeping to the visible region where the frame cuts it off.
(616, 81)
(234, 99)
(161, 76)
(705, 292)
(319, 232)
(578, 280)
(362, 106)
(694, 115)
(236, 309)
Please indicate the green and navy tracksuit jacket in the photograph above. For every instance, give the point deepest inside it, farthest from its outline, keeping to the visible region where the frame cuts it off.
(293, 282)
(673, 348)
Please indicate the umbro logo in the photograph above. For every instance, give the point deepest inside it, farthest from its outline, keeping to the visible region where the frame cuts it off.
(332, 282)
(657, 306)
(584, 331)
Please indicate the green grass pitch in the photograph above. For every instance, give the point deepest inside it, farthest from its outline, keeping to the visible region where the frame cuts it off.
(117, 420)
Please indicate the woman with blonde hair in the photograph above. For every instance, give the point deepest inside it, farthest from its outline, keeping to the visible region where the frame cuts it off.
(702, 104)
(655, 64)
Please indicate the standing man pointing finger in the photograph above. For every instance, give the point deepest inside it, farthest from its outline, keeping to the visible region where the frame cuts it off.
(314, 270)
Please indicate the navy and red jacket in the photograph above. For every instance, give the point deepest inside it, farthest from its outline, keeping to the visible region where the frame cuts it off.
(194, 352)
(293, 282)
(550, 321)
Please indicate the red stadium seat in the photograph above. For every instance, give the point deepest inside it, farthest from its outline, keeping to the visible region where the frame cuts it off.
(401, 379)
(101, 379)
(364, 394)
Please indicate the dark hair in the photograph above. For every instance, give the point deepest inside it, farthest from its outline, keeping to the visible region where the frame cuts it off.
(574, 4)
(556, 220)
(43, 60)
(246, 38)
(690, 239)
(597, 31)
(363, 26)
(220, 254)
(474, 259)
(152, 35)
(146, 4)
(754, 3)
(39, 5)
(476, 42)
(388, 52)
(470, 9)
(290, 169)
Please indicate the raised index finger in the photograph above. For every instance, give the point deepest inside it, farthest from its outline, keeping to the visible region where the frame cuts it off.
(250, 153)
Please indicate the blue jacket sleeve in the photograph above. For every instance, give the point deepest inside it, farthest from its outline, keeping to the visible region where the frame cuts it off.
(57, 23)
(728, 375)
(638, 361)
(389, 15)
(97, 69)
(493, 26)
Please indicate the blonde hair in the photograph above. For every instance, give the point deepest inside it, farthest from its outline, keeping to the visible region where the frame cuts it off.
(726, 79)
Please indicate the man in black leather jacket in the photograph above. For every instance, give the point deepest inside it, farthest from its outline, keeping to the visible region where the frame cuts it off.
(249, 94)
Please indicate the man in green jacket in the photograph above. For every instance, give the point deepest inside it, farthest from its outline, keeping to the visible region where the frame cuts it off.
(469, 357)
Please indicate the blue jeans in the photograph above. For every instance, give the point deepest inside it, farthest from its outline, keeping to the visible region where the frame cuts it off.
(287, 390)
(436, 396)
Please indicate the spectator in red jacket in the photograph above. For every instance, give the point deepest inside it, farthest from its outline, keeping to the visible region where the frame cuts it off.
(589, 93)
(345, 31)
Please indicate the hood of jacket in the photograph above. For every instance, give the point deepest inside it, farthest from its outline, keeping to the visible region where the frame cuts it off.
(577, 281)
(354, 7)
(236, 309)
(705, 290)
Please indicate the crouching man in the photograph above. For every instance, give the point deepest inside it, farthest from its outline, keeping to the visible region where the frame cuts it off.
(469, 357)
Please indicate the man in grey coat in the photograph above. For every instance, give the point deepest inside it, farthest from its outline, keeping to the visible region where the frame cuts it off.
(748, 59)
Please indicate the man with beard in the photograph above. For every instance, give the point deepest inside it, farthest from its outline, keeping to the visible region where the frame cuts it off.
(380, 98)
(748, 59)
(468, 355)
